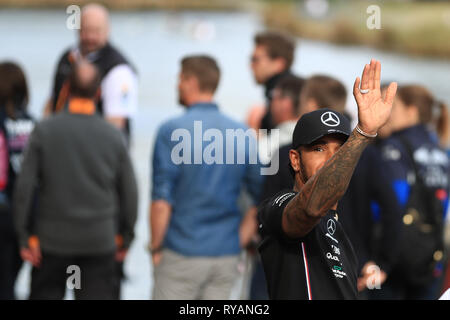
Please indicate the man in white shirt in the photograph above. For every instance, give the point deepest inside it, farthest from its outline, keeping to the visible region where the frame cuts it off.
(119, 87)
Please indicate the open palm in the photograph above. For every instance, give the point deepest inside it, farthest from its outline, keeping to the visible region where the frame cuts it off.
(373, 111)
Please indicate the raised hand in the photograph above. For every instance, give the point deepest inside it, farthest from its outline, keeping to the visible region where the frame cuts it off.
(373, 111)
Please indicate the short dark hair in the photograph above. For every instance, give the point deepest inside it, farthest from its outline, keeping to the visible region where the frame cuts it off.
(291, 86)
(277, 45)
(84, 88)
(204, 69)
(328, 92)
(13, 87)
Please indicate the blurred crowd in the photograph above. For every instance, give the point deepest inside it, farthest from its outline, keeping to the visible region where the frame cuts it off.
(68, 193)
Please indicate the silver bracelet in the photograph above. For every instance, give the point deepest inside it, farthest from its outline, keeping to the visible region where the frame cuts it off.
(365, 134)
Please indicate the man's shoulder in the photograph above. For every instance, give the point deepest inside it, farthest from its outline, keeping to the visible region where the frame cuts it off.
(114, 51)
(275, 202)
(50, 121)
(220, 119)
(230, 122)
(103, 131)
(278, 199)
(177, 122)
(270, 214)
(101, 124)
(121, 71)
(111, 57)
(62, 119)
(47, 126)
(187, 121)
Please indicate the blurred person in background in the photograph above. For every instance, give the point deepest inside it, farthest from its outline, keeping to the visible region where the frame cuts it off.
(410, 254)
(118, 94)
(271, 61)
(362, 221)
(86, 192)
(119, 86)
(321, 91)
(284, 113)
(284, 108)
(197, 229)
(15, 127)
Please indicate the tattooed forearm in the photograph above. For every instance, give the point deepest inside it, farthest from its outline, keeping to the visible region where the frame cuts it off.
(331, 182)
(324, 189)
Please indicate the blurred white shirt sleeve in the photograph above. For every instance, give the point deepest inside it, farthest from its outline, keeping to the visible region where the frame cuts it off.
(120, 92)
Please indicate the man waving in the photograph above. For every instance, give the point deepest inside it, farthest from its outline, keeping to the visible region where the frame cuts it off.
(305, 251)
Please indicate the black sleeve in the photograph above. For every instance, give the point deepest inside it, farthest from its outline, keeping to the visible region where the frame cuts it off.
(270, 213)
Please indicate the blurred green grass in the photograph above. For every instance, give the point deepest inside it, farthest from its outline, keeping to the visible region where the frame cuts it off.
(414, 28)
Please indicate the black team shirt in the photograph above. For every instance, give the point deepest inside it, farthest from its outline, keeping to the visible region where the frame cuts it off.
(320, 265)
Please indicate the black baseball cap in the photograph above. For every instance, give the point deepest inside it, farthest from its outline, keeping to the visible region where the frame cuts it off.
(316, 124)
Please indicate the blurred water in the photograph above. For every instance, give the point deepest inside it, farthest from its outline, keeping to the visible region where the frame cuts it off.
(155, 42)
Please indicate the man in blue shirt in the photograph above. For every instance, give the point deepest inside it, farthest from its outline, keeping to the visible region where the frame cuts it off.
(201, 160)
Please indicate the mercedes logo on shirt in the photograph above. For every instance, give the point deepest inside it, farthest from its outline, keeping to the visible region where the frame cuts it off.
(330, 119)
(331, 226)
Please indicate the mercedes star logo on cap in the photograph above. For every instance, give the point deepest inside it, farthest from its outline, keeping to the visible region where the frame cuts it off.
(330, 119)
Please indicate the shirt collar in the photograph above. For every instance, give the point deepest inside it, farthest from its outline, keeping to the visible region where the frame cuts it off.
(81, 106)
(202, 105)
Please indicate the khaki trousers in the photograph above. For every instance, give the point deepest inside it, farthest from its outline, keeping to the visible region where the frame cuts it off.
(179, 277)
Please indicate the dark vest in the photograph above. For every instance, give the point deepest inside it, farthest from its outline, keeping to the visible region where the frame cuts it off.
(105, 59)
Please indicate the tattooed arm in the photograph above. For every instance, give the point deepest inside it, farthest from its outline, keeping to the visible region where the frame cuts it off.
(322, 191)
